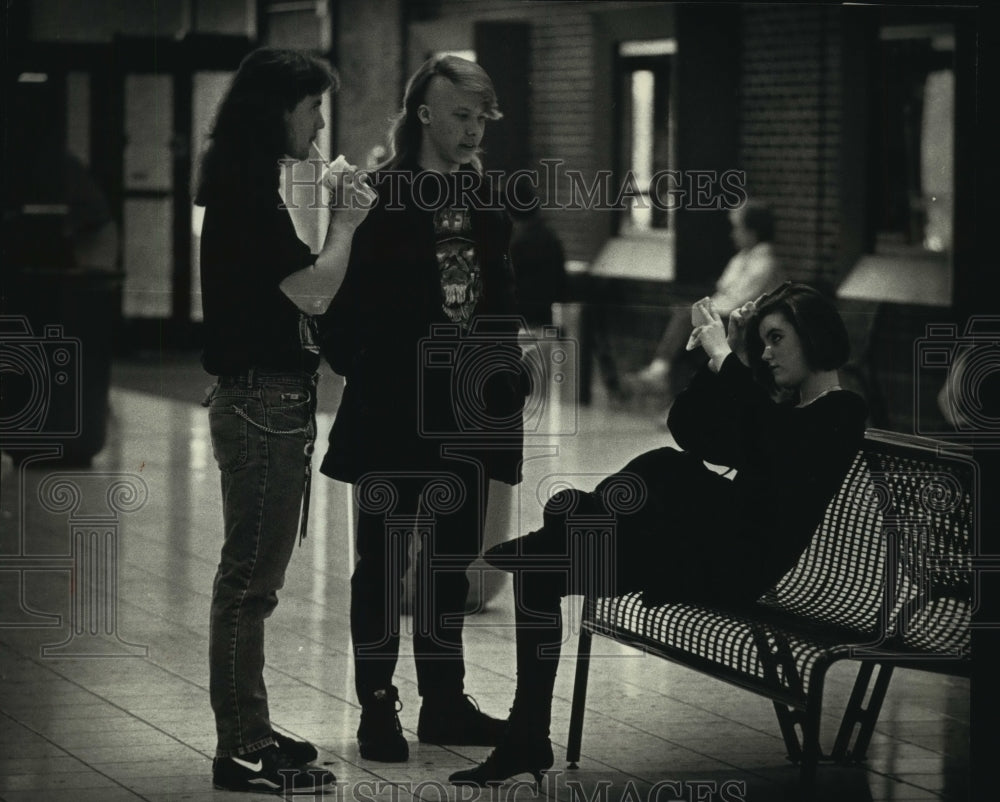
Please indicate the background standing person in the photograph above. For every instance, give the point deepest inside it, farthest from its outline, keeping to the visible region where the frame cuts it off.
(260, 285)
(790, 459)
(752, 270)
(424, 329)
(538, 258)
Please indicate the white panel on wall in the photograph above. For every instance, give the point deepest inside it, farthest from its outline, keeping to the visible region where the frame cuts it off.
(207, 91)
(301, 25)
(78, 115)
(148, 261)
(233, 17)
(149, 111)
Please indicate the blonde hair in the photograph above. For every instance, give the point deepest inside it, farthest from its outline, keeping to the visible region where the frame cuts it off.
(406, 133)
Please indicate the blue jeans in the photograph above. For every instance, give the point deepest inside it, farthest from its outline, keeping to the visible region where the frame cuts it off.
(263, 427)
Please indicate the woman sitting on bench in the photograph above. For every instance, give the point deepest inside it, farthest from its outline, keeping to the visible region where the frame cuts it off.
(768, 405)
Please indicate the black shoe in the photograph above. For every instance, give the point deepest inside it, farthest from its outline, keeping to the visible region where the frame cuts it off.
(268, 770)
(458, 721)
(380, 735)
(512, 757)
(299, 752)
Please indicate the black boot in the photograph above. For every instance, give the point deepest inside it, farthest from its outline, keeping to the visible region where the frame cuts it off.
(515, 755)
(458, 721)
(380, 736)
(525, 749)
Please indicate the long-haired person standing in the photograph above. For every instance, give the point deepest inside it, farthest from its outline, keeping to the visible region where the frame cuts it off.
(261, 287)
(424, 330)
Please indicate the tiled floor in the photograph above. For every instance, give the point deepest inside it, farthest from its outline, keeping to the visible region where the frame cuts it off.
(123, 714)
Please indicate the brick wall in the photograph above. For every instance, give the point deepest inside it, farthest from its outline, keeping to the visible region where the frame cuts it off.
(561, 97)
(370, 65)
(790, 129)
(790, 111)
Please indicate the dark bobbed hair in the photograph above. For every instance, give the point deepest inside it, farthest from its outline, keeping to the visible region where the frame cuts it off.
(406, 133)
(815, 319)
(249, 136)
(758, 217)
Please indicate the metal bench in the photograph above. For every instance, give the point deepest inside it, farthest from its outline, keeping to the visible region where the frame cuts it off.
(886, 581)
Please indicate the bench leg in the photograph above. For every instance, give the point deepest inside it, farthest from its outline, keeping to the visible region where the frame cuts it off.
(779, 667)
(788, 717)
(811, 752)
(857, 715)
(579, 698)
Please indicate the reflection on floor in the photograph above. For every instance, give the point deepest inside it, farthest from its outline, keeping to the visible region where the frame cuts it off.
(122, 712)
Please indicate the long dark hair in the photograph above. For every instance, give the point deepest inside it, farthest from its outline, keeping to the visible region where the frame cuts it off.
(405, 135)
(249, 136)
(817, 322)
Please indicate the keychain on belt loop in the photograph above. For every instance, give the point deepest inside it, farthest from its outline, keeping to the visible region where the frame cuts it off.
(308, 451)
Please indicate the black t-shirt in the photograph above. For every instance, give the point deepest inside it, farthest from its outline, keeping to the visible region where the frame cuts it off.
(461, 273)
(248, 246)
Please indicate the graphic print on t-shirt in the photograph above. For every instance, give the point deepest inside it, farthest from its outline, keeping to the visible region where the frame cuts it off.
(461, 281)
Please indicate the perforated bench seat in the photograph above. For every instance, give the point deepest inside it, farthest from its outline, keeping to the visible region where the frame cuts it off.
(886, 581)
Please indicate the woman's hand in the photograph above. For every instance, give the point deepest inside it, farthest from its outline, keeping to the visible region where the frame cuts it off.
(736, 333)
(709, 333)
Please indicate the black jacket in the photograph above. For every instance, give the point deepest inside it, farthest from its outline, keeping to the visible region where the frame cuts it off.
(415, 386)
(705, 536)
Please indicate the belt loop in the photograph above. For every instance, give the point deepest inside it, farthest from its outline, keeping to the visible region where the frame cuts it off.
(250, 379)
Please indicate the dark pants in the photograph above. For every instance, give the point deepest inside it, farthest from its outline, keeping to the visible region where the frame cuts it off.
(562, 560)
(263, 427)
(445, 510)
(632, 531)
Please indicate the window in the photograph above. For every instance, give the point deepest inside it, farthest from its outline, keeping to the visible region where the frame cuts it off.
(912, 180)
(645, 143)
